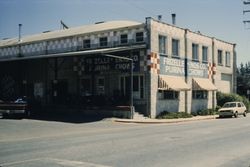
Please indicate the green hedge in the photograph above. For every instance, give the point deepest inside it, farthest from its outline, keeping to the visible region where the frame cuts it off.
(173, 115)
(225, 97)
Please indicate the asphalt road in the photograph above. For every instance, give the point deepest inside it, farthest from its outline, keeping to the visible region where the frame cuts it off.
(36, 143)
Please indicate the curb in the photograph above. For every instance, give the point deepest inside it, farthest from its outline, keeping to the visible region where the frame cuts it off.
(165, 121)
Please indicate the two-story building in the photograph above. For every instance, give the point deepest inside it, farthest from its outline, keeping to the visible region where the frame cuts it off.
(173, 69)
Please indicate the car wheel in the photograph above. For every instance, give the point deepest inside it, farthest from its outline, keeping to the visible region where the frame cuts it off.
(245, 114)
(236, 114)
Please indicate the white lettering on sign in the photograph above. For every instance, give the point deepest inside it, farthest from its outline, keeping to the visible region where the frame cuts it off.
(173, 62)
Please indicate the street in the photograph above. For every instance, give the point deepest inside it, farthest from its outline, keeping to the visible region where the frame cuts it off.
(219, 142)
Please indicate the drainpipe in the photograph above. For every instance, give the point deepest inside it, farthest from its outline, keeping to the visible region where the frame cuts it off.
(147, 73)
(234, 69)
(213, 79)
(186, 69)
(19, 39)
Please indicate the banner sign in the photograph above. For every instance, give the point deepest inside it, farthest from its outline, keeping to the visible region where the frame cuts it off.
(182, 67)
(98, 64)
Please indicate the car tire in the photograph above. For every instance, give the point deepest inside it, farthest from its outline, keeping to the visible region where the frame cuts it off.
(236, 114)
(245, 114)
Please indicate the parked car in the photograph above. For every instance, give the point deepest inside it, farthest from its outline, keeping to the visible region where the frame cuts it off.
(233, 109)
(17, 107)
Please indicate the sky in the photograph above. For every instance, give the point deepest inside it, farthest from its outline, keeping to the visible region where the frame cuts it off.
(222, 19)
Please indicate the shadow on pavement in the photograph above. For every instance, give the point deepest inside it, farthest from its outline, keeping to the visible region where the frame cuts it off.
(67, 117)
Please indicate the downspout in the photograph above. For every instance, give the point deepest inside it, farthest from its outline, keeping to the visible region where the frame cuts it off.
(147, 73)
(234, 69)
(213, 79)
(186, 70)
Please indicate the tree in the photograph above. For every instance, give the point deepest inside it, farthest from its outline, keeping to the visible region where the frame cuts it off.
(243, 79)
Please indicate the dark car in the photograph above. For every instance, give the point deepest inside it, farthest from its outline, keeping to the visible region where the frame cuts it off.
(17, 107)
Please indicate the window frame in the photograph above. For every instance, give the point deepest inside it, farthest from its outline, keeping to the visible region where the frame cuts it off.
(204, 56)
(228, 59)
(140, 38)
(103, 43)
(195, 52)
(200, 94)
(220, 54)
(169, 95)
(86, 45)
(122, 39)
(162, 44)
(176, 41)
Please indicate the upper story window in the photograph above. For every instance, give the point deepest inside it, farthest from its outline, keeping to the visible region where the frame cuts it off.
(204, 54)
(220, 58)
(162, 44)
(195, 52)
(228, 59)
(175, 47)
(103, 41)
(139, 37)
(124, 39)
(86, 43)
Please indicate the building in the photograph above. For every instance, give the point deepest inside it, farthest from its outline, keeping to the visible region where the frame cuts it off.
(173, 69)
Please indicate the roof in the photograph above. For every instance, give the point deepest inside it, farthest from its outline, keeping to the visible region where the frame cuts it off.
(103, 51)
(172, 83)
(98, 27)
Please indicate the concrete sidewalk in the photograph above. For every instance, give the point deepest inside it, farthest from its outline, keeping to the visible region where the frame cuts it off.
(160, 121)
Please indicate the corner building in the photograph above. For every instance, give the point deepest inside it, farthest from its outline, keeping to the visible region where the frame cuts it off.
(174, 69)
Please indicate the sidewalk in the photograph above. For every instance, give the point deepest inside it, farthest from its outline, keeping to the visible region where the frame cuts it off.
(160, 121)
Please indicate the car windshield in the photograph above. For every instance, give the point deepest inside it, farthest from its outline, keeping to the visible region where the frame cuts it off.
(228, 105)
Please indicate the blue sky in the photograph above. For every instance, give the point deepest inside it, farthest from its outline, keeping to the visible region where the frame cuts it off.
(222, 19)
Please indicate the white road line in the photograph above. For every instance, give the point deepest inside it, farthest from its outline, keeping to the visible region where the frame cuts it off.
(60, 162)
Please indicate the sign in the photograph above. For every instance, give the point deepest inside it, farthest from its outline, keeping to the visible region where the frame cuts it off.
(178, 67)
(171, 66)
(98, 64)
(197, 69)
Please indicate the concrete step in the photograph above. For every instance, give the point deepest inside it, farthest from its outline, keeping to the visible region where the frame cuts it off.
(139, 116)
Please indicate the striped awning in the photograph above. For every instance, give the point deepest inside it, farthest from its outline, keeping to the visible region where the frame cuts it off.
(172, 83)
(203, 84)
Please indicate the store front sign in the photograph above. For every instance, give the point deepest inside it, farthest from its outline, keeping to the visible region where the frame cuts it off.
(169, 66)
(182, 67)
(98, 64)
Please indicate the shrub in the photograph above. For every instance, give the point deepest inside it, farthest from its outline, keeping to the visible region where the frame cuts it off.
(204, 112)
(173, 115)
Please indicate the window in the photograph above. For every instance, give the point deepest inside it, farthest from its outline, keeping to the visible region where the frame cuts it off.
(138, 86)
(175, 47)
(124, 39)
(204, 54)
(100, 86)
(228, 59)
(199, 94)
(103, 41)
(168, 94)
(162, 44)
(139, 37)
(86, 43)
(195, 52)
(220, 59)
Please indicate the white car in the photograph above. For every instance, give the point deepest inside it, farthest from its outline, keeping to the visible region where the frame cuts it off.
(233, 109)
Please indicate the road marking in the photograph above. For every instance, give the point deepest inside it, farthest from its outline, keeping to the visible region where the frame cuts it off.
(61, 162)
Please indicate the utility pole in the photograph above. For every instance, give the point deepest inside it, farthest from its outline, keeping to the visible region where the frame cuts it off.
(246, 22)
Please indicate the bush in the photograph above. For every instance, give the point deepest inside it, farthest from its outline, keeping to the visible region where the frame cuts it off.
(204, 112)
(173, 115)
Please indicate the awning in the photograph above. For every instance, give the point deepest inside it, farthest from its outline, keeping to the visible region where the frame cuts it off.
(203, 84)
(172, 83)
(76, 53)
